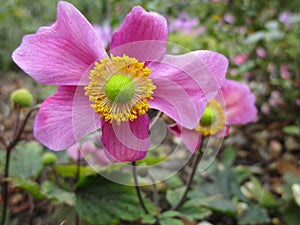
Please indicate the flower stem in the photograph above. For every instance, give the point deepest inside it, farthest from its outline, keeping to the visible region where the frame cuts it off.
(5, 185)
(155, 119)
(155, 190)
(137, 188)
(77, 177)
(196, 159)
(15, 138)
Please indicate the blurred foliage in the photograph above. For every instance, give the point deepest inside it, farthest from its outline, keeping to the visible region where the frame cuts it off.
(252, 29)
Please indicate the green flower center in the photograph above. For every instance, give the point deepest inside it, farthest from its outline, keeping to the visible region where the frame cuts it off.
(209, 116)
(119, 88)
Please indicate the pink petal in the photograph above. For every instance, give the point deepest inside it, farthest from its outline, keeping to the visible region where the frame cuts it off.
(239, 103)
(190, 138)
(128, 141)
(142, 35)
(62, 53)
(64, 118)
(185, 84)
(224, 132)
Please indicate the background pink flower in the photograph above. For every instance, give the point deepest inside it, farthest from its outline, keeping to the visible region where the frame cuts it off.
(186, 25)
(240, 59)
(238, 103)
(284, 71)
(104, 33)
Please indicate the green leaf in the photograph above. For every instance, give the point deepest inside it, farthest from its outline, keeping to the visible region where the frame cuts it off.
(148, 219)
(291, 214)
(255, 37)
(53, 192)
(204, 223)
(214, 203)
(71, 170)
(254, 215)
(30, 186)
(170, 221)
(223, 206)
(106, 203)
(293, 130)
(174, 196)
(248, 66)
(229, 156)
(195, 213)
(26, 161)
(169, 214)
(264, 197)
(174, 182)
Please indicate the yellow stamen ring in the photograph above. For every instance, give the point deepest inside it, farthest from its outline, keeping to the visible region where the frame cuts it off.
(213, 119)
(119, 88)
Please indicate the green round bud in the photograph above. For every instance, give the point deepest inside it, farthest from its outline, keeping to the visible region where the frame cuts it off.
(142, 171)
(22, 97)
(119, 88)
(49, 159)
(209, 116)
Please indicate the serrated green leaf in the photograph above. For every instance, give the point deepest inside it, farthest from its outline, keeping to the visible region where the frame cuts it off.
(30, 186)
(26, 160)
(264, 197)
(106, 203)
(254, 215)
(195, 213)
(148, 219)
(223, 206)
(170, 221)
(174, 182)
(169, 214)
(53, 192)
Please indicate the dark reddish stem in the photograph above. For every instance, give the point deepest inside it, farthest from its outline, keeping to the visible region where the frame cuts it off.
(19, 128)
(196, 159)
(137, 188)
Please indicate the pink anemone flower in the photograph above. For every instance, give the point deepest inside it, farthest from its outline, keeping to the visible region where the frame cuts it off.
(234, 105)
(114, 92)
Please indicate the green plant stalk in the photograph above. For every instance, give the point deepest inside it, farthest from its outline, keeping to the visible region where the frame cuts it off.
(196, 159)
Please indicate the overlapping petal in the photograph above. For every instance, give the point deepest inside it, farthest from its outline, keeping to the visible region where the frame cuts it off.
(58, 124)
(142, 35)
(190, 138)
(127, 141)
(61, 53)
(185, 84)
(239, 103)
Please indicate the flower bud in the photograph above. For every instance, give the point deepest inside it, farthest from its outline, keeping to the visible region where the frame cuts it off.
(49, 159)
(22, 97)
(142, 171)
